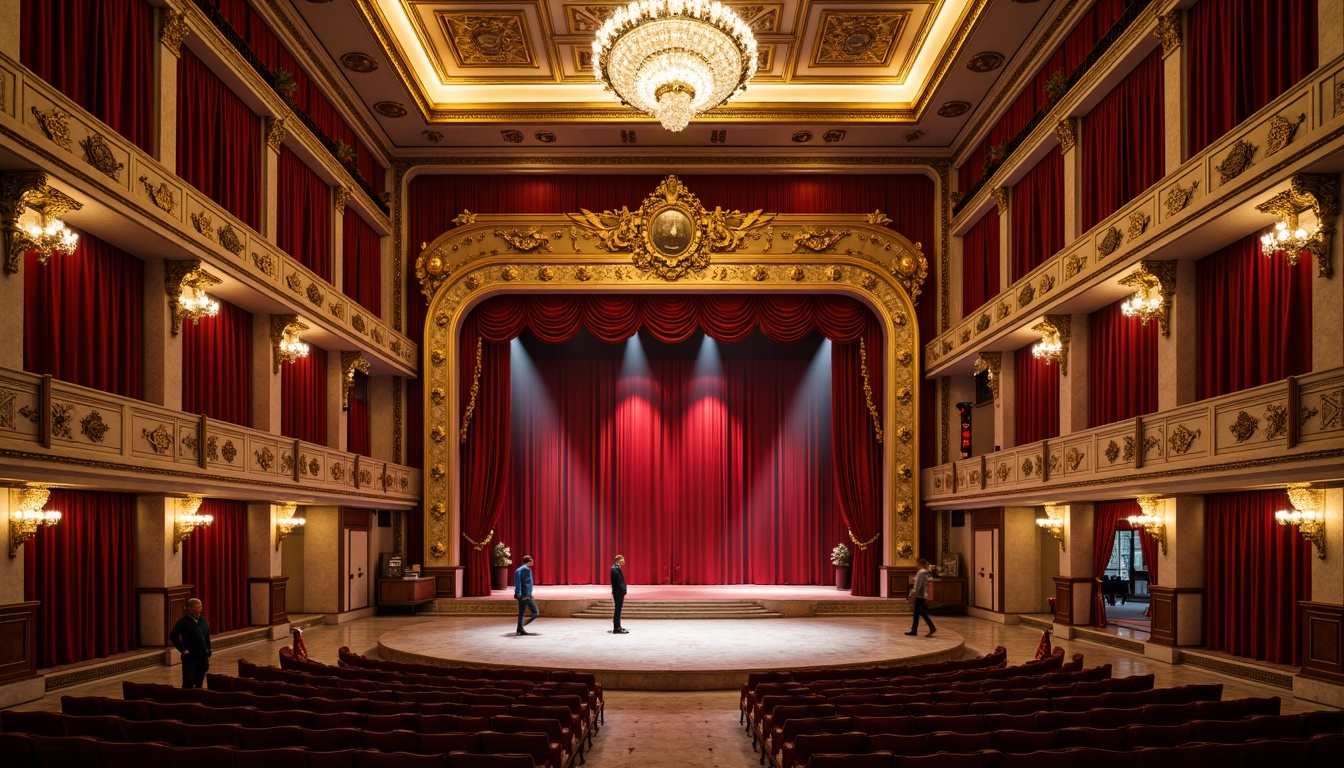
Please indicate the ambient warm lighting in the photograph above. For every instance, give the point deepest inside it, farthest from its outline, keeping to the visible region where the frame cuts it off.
(1289, 238)
(28, 514)
(30, 216)
(1054, 344)
(1153, 284)
(186, 284)
(286, 522)
(1151, 520)
(286, 345)
(674, 59)
(1307, 514)
(46, 235)
(1053, 523)
(186, 520)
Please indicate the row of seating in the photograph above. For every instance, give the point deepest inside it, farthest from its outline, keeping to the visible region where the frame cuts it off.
(995, 658)
(1065, 675)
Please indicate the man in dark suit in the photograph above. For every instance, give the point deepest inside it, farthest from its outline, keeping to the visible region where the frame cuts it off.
(191, 637)
(618, 591)
(522, 592)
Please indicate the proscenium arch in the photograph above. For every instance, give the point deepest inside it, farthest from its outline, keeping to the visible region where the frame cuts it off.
(849, 255)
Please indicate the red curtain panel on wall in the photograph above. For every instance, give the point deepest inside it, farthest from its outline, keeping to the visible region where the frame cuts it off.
(363, 266)
(82, 316)
(1123, 142)
(1037, 215)
(82, 572)
(100, 54)
(1036, 398)
(1256, 573)
(358, 436)
(1242, 54)
(303, 398)
(1254, 318)
(980, 263)
(219, 141)
(217, 365)
(304, 219)
(214, 562)
(1122, 366)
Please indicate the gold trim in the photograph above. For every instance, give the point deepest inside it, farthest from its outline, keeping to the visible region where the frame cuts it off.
(350, 363)
(1281, 132)
(56, 125)
(1168, 31)
(1318, 192)
(1236, 161)
(162, 195)
(98, 153)
(1179, 197)
(174, 31)
(1066, 131)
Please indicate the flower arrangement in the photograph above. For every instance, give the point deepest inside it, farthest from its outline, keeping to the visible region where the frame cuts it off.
(1056, 86)
(841, 556)
(500, 555)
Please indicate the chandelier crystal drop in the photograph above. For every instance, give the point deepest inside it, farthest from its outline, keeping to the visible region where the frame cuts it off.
(674, 59)
(48, 236)
(1289, 238)
(1144, 305)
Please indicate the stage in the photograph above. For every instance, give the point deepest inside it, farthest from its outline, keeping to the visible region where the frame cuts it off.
(799, 626)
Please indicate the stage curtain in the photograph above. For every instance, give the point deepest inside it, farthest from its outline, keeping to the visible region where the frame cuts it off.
(358, 434)
(857, 456)
(219, 141)
(303, 398)
(485, 453)
(1036, 398)
(1108, 516)
(1242, 54)
(214, 562)
(362, 263)
(980, 263)
(1254, 318)
(304, 219)
(82, 571)
(100, 54)
(82, 317)
(1037, 215)
(1123, 144)
(1256, 572)
(217, 365)
(1122, 366)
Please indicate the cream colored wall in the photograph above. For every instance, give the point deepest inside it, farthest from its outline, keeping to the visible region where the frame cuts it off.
(1021, 548)
(292, 559)
(321, 560)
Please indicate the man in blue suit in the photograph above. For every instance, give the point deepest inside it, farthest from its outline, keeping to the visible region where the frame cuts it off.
(618, 593)
(522, 592)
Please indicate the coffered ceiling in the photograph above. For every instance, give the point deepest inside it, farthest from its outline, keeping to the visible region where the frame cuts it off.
(491, 74)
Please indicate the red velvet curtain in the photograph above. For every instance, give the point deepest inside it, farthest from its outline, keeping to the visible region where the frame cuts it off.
(980, 263)
(1122, 366)
(1254, 318)
(1108, 516)
(363, 264)
(1036, 398)
(1256, 572)
(219, 141)
(358, 434)
(214, 561)
(82, 317)
(303, 398)
(100, 54)
(217, 365)
(304, 220)
(82, 570)
(1038, 215)
(1242, 54)
(487, 449)
(857, 462)
(1123, 144)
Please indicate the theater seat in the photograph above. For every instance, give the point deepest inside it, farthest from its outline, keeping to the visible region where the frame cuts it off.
(105, 727)
(1022, 741)
(866, 760)
(330, 739)
(1143, 735)
(270, 738)
(1278, 752)
(948, 760)
(35, 723)
(1073, 757)
(392, 741)
(83, 705)
(18, 750)
(538, 745)
(1194, 756)
(66, 750)
(368, 758)
(166, 731)
(137, 754)
(474, 760)
(1327, 750)
(1095, 738)
(280, 757)
(443, 743)
(202, 757)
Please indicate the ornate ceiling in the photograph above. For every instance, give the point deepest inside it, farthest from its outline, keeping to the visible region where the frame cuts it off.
(495, 73)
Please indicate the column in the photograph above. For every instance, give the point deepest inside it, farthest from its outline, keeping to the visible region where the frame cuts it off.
(1067, 133)
(1075, 586)
(1073, 387)
(162, 350)
(1005, 203)
(388, 283)
(1178, 595)
(322, 581)
(1327, 297)
(19, 680)
(1005, 410)
(955, 272)
(1171, 30)
(12, 319)
(1322, 662)
(339, 197)
(266, 390)
(380, 412)
(265, 582)
(158, 571)
(1023, 552)
(338, 427)
(1177, 351)
(270, 174)
(166, 55)
(10, 18)
(1329, 31)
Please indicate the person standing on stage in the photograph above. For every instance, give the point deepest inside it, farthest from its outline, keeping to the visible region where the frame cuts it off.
(191, 638)
(618, 591)
(921, 594)
(522, 592)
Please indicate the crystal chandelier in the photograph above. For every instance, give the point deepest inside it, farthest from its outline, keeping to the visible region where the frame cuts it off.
(47, 235)
(1054, 344)
(286, 345)
(1289, 238)
(674, 59)
(1153, 284)
(187, 520)
(186, 283)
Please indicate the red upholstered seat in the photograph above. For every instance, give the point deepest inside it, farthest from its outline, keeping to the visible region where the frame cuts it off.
(1274, 726)
(948, 760)
(1143, 735)
(269, 719)
(1073, 757)
(83, 705)
(202, 757)
(1278, 752)
(338, 720)
(1021, 741)
(138, 754)
(443, 743)
(512, 724)
(865, 760)
(474, 760)
(1324, 721)
(276, 737)
(330, 739)
(1194, 756)
(947, 741)
(1168, 714)
(278, 757)
(214, 735)
(1327, 750)
(1218, 731)
(538, 745)
(368, 758)
(1110, 717)
(18, 750)
(809, 744)
(167, 731)
(392, 741)
(1095, 738)
(457, 724)
(954, 723)
(898, 743)
(105, 727)
(33, 723)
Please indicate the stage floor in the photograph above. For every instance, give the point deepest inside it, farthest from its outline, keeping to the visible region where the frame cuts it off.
(684, 592)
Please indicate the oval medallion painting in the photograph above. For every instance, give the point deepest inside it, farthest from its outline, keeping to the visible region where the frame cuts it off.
(670, 231)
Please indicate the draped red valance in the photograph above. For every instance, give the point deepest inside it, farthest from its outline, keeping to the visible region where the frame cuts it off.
(214, 562)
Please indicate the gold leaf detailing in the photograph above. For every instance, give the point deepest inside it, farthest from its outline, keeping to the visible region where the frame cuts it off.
(228, 451)
(1244, 427)
(878, 218)
(1002, 311)
(230, 240)
(437, 550)
(438, 433)
(61, 416)
(1304, 415)
(160, 440)
(1073, 265)
(1276, 421)
(965, 335)
(93, 427)
(264, 262)
(1281, 132)
(904, 357)
(7, 400)
(1169, 32)
(1110, 242)
(1000, 199)
(1127, 455)
(475, 392)
(1319, 193)
(98, 154)
(1149, 443)
(1026, 467)
(174, 31)
(212, 448)
(337, 309)
(1180, 439)
(315, 294)
(275, 132)
(437, 510)
(437, 395)
(1074, 459)
(1332, 406)
(583, 274)
(1003, 472)
(1026, 295)
(818, 240)
(509, 273)
(1067, 134)
(982, 322)
(287, 463)
(201, 221)
(340, 196)
(862, 545)
(1138, 224)
(314, 467)
(1178, 197)
(759, 273)
(473, 282)
(358, 323)
(464, 218)
(365, 478)
(265, 458)
(1339, 98)
(795, 274)
(437, 357)
(1236, 162)
(377, 335)
(56, 125)
(438, 472)
(904, 434)
(162, 195)
(337, 471)
(1046, 284)
(993, 363)
(1112, 452)
(868, 390)
(188, 441)
(525, 242)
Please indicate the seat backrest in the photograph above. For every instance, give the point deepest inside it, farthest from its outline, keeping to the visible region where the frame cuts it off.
(105, 727)
(393, 722)
(538, 745)
(276, 757)
(1016, 741)
(898, 743)
(202, 757)
(881, 759)
(211, 735)
(809, 744)
(1095, 738)
(1167, 714)
(332, 739)
(17, 749)
(796, 725)
(949, 760)
(168, 731)
(275, 737)
(1144, 735)
(1327, 749)
(138, 754)
(368, 758)
(513, 724)
(35, 723)
(475, 760)
(949, 741)
(392, 741)
(443, 743)
(1279, 752)
(83, 705)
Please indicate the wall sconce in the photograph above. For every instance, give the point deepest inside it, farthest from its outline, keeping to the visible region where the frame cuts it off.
(1153, 284)
(285, 343)
(1307, 515)
(27, 514)
(30, 212)
(1315, 192)
(351, 362)
(185, 283)
(187, 520)
(1151, 520)
(1054, 344)
(1054, 523)
(286, 522)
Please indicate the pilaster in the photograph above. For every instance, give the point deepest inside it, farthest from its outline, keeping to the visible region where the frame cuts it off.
(1327, 576)
(270, 173)
(1075, 586)
(162, 350)
(1329, 31)
(1073, 387)
(339, 197)
(956, 270)
(266, 391)
(338, 427)
(11, 568)
(389, 285)
(264, 570)
(1005, 203)
(12, 319)
(1005, 408)
(322, 580)
(1022, 549)
(1178, 595)
(379, 393)
(1327, 298)
(166, 55)
(1176, 116)
(10, 18)
(1177, 370)
(1068, 134)
(158, 569)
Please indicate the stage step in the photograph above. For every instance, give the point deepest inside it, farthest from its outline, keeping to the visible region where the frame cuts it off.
(678, 609)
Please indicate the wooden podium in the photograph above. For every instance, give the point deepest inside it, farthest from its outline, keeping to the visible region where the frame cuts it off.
(410, 592)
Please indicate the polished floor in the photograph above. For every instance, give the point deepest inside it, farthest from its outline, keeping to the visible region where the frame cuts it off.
(696, 728)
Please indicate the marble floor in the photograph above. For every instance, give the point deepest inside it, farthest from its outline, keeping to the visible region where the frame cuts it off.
(695, 728)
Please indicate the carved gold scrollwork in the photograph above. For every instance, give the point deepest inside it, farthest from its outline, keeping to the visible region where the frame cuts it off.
(61, 416)
(229, 452)
(877, 218)
(818, 240)
(1110, 242)
(1318, 192)
(174, 31)
(162, 195)
(1281, 132)
(1112, 452)
(201, 221)
(265, 458)
(993, 363)
(160, 440)
(1073, 265)
(56, 125)
(177, 274)
(1276, 421)
(1138, 224)
(1237, 160)
(1026, 295)
(337, 471)
(1127, 454)
(982, 322)
(1000, 195)
(1045, 285)
(275, 133)
(351, 362)
(1074, 459)
(464, 218)
(1180, 439)
(228, 238)
(287, 463)
(525, 242)
(22, 190)
(1002, 310)
(1059, 327)
(339, 198)
(315, 294)
(1179, 197)
(1244, 427)
(1169, 32)
(1067, 133)
(264, 262)
(98, 153)
(1155, 278)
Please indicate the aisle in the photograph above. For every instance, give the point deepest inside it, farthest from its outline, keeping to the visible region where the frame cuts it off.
(672, 730)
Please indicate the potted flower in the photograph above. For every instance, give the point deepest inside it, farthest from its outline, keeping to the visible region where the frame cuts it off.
(500, 560)
(844, 566)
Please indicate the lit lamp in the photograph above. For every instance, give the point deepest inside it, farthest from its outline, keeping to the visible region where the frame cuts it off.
(285, 342)
(674, 59)
(1151, 520)
(1317, 194)
(186, 282)
(286, 522)
(1054, 344)
(28, 515)
(1307, 514)
(1153, 285)
(1053, 523)
(187, 520)
(30, 212)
